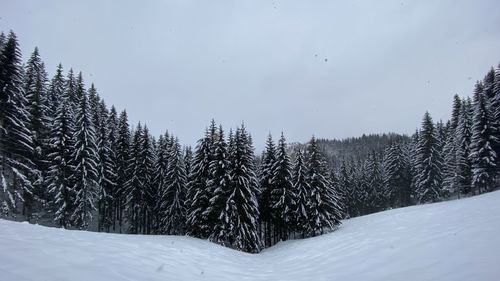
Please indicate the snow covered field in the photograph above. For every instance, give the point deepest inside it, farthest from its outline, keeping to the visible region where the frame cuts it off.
(456, 240)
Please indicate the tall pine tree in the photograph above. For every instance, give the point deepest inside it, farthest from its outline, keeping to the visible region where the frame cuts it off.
(483, 156)
(16, 144)
(84, 158)
(324, 209)
(429, 163)
(283, 195)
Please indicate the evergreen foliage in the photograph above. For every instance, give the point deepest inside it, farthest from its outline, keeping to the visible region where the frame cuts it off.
(66, 158)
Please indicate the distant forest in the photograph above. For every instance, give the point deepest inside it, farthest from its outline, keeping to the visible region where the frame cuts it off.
(69, 160)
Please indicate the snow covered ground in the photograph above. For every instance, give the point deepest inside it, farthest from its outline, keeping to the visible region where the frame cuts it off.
(456, 240)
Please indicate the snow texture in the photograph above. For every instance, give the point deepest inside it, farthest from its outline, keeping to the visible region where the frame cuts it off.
(455, 240)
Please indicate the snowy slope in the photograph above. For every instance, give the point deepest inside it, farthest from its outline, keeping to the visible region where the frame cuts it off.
(456, 240)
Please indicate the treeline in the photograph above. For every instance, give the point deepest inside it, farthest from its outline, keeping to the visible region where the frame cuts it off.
(337, 150)
(442, 160)
(67, 159)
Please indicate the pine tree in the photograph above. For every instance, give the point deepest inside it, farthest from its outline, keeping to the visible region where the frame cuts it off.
(61, 169)
(463, 136)
(134, 191)
(84, 158)
(412, 160)
(241, 210)
(219, 188)
(450, 177)
(198, 191)
(345, 186)
(375, 183)
(301, 187)
(489, 86)
(324, 209)
(70, 87)
(283, 195)
(55, 93)
(160, 182)
(16, 144)
(397, 176)
(429, 163)
(266, 186)
(188, 160)
(483, 157)
(174, 209)
(146, 168)
(107, 173)
(122, 167)
(35, 88)
(362, 190)
(455, 112)
(111, 167)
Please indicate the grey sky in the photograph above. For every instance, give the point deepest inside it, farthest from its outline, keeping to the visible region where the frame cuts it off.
(332, 68)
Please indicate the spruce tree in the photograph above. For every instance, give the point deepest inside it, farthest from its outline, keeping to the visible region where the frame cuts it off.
(450, 177)
(397, 176)
(362, 190)
(429, 161)
(111, 163)
(122, 167)
(324, 209)
(301, 187)
(375, 183)
(412, 160)
(16, 144)
(70, 87)
(55, 93)
(266, 186)
(84, 158)
(134, 191)
(483, 157)
(106, 169)
(346, 187)
(198, 191)
(283, 195)
(61, 168)
(463, 136)
(449, 173)
(174, 209)
(489, 86)
(219, 189)
(455, 112)
(160, 182)
(188, 160)
(146, 168)
(242, 205)
(35, 89)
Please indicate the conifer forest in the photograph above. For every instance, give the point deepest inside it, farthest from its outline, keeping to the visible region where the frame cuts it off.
(69, 159)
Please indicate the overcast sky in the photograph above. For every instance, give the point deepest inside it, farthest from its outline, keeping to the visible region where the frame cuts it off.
(330, 68)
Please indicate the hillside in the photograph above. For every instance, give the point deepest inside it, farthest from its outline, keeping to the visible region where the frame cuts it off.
(455, 240)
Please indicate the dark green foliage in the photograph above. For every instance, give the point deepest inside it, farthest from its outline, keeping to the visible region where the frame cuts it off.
(483, 157)
(61, 167)
(198, 195)
(173, 200)
(429, 163)
(324, 207)
(84, 158)
(16, 143)
(283, 194)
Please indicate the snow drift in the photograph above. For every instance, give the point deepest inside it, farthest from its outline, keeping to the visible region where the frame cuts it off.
(455, 240)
